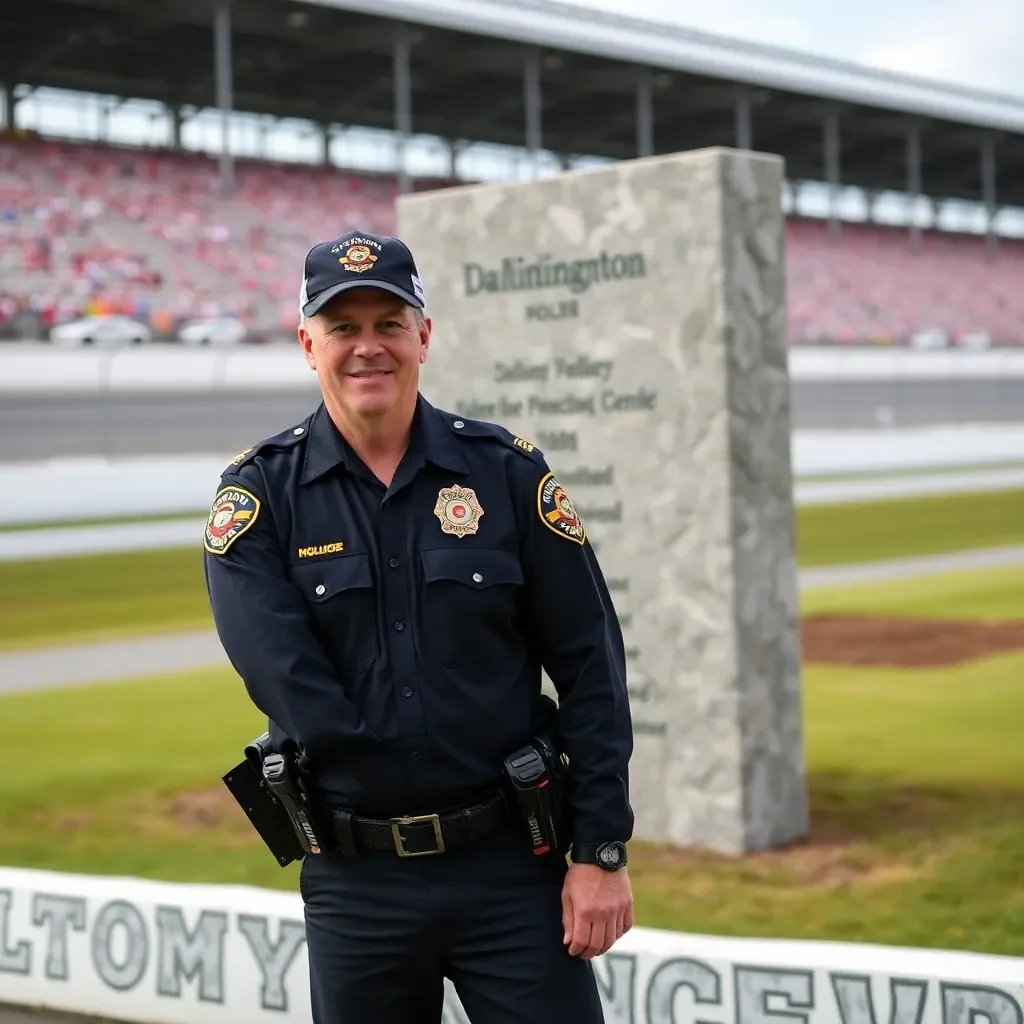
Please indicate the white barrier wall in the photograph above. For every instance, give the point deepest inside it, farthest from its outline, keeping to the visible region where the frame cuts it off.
(165, 953)
(28, 367)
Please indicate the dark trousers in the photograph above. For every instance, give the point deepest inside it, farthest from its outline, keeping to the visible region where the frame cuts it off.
(383, 933)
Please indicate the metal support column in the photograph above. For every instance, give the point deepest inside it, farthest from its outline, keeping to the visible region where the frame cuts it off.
(532, 102)
(914, 181)
(832, 176)
(402, 75)
(10, 107)
(988, 192)
(225, 99)
(174, 113)
(744, 120)
(645, 113)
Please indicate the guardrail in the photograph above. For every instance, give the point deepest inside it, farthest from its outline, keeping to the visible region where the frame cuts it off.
(166, 953)
(37, 367)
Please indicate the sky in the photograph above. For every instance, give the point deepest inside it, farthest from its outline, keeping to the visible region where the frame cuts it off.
(973, 43)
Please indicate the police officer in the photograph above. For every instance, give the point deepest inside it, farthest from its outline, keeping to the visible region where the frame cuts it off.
(389, 580)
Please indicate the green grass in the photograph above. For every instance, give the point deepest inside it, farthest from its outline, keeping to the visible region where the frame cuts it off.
(130, 593)
(98, 597)
(917, 811)
(870, 531)
(916, 786)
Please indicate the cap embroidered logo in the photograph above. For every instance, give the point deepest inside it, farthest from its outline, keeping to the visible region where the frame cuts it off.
(357, 259)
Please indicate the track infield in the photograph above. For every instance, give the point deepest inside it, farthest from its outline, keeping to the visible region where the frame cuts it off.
(916, 779)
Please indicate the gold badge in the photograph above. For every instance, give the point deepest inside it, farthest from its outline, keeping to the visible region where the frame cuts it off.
(557, 512)
(520, 443)
(357, 259)
(458, 510)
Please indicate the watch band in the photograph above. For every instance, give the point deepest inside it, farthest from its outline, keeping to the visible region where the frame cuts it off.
(610, 856)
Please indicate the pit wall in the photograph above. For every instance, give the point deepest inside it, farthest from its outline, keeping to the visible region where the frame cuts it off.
(164, 953)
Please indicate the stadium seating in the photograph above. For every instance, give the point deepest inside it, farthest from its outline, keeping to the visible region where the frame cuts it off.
(871, 286)
(91, 228)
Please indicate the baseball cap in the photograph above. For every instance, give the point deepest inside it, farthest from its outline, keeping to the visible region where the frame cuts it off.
(359, 259)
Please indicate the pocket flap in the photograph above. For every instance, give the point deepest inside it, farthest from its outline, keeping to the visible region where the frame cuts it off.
(320, 581)
(476, 567)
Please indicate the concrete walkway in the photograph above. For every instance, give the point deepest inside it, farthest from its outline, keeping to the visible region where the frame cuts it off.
(80, 664)
(908, 568)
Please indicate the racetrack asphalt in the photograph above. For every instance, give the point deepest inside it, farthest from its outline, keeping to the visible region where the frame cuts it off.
(108, 661)
(59, 425)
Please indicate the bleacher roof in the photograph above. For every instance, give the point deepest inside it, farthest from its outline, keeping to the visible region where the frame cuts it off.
(331, 61)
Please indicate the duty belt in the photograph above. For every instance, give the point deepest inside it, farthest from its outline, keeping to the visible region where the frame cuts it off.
(417, 835)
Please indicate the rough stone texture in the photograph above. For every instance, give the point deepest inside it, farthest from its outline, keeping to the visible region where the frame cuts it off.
(689, 496)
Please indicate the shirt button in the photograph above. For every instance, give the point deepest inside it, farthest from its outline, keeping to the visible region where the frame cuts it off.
(321, 589)
(393, 562)
(416, 754)
(477, 578)
(406, 691)
(399, 626)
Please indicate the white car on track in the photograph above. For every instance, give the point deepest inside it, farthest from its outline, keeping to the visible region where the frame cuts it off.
(217, 330)
(101, 331)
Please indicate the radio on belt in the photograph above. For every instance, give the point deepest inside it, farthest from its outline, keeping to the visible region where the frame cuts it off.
(533, 772)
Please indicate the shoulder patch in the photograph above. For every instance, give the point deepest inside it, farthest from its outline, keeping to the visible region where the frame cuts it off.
(280, 442)
(234, 511)
(482, 428)
(557, 511)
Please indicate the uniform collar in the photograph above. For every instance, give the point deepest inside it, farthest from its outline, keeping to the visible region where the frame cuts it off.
(431, 441)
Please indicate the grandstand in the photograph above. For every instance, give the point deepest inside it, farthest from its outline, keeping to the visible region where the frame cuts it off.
(165, 233)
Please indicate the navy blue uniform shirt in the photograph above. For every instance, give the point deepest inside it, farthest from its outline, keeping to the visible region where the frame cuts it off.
(397, 634)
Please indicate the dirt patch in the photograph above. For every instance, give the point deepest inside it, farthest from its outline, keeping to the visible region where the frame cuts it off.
(905, 643)
(206, 808)
(858, 837)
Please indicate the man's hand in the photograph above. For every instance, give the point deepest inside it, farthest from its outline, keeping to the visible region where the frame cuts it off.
(597, 909)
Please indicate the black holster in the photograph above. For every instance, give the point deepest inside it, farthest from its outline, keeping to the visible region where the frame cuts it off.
(268, 787)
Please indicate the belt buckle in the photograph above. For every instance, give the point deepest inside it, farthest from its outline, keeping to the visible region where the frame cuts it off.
(396, 833)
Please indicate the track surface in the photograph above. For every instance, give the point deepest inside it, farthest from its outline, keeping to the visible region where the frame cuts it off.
(38, 426)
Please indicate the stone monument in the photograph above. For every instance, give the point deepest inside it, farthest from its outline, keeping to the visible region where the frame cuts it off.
(631, 322)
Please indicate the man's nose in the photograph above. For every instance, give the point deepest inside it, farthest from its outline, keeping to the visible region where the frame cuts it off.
(367, 343)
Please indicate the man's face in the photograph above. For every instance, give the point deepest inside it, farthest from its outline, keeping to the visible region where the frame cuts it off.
(367, 350)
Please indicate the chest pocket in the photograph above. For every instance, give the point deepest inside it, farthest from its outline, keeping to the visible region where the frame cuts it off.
(470, 615)
(342, 600)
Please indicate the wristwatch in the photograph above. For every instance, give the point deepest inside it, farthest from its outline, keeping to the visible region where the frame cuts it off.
(608, 856)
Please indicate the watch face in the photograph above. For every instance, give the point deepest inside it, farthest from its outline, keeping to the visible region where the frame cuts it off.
(611, 855)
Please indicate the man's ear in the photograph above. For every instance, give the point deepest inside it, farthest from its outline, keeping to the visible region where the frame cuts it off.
(425, 332)
(306, 341)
